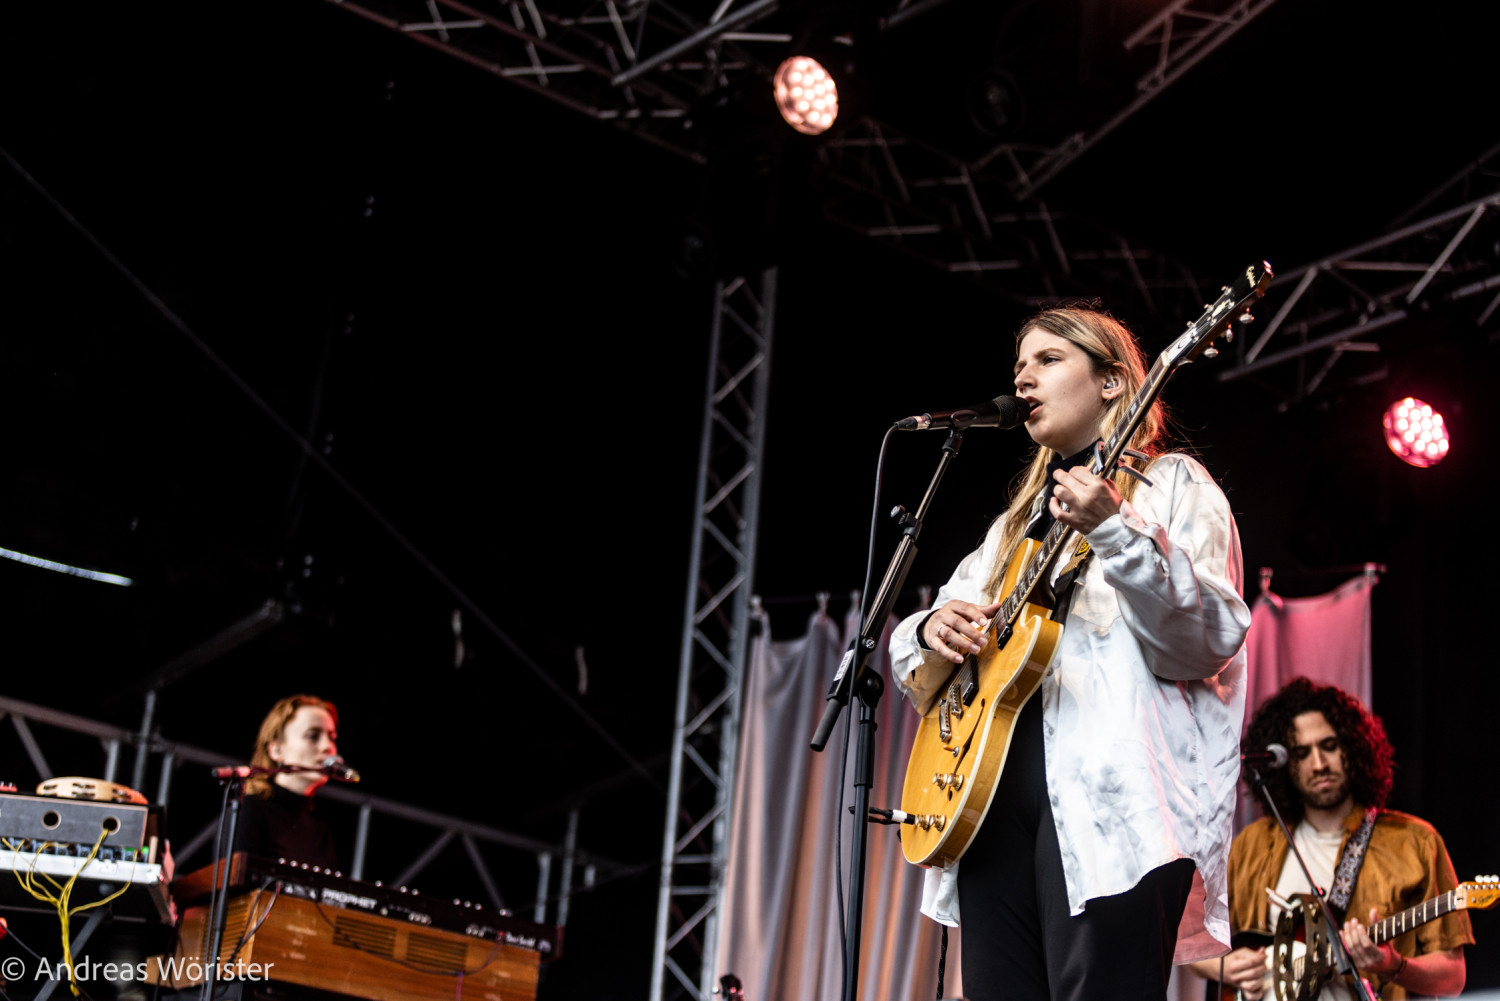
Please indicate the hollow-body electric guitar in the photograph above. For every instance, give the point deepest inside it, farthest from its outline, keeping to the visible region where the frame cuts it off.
(961, 743)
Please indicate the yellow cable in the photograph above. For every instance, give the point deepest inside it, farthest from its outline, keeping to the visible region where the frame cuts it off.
(64, 913)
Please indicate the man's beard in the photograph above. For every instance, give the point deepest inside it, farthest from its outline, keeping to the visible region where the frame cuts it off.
(1326, 796)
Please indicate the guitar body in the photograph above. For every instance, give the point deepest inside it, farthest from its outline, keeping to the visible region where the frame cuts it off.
(960, 748)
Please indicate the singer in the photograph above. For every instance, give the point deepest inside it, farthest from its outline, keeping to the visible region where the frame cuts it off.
(1115, 805)
(276, 818)
(1341, 766)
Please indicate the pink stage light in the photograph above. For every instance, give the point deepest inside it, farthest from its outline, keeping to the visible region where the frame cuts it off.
(1416, 432)
(806, 95)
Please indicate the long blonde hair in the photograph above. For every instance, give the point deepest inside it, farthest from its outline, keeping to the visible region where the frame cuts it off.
(1112, 349)
(273, 728)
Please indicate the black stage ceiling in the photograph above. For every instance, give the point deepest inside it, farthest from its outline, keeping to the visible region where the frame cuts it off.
(463, 296)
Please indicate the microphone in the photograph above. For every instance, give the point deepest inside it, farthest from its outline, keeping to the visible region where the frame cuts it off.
(334, 768)
(1274, 756)
(1001, 412)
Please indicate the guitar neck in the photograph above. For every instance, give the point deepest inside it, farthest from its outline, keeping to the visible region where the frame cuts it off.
(1427, 910)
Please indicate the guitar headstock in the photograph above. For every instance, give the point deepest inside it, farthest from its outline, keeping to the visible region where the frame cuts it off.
(1479, 894)
(1198, 339)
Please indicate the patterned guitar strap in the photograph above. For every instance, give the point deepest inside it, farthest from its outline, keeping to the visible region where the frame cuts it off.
(1347, 873)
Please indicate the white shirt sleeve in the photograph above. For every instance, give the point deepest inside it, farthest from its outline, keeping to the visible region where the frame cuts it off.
(1173, 559)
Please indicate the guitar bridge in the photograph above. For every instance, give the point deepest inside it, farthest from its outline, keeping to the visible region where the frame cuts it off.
(956, 701)
(945, 722)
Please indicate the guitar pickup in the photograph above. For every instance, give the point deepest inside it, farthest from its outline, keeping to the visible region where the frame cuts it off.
(971, 689)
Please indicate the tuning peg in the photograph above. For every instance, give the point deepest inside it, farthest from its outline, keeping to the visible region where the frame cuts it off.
(1228, 335)
(1210, 352)
(1246, 317)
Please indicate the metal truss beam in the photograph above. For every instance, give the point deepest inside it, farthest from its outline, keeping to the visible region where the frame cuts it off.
(919, 200)
(1348, 303)
(1181, 36)
(715, 640)
(637, 64)
(642, 65)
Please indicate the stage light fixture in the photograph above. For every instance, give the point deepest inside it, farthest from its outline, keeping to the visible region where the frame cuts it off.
(1416, 432)
(806, 95)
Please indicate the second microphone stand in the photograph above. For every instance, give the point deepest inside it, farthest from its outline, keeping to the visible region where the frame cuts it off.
(229, 822)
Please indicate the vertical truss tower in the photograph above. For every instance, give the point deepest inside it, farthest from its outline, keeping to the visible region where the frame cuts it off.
(715, 638)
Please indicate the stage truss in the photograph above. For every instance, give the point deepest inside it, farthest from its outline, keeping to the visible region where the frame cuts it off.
(1351, 303)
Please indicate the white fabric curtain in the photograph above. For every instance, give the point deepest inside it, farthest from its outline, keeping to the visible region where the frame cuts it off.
(779, 931)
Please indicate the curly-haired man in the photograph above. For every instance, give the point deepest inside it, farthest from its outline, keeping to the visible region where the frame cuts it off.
(1340, 771)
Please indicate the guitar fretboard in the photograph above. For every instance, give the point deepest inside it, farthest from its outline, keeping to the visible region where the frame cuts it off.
(1400, 924)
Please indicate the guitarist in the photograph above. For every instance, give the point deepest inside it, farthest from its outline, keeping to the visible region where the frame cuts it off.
(1340, 767)
(1118, 790)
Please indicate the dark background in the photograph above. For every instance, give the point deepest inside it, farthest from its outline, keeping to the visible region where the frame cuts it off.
(464, 296)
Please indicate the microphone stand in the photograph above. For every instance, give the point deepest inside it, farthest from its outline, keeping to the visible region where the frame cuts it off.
(229, 821)
(1336, 939)
(854, 678)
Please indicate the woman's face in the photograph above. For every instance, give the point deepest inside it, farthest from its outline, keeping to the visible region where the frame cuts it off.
(1067, 396)
(308, 738)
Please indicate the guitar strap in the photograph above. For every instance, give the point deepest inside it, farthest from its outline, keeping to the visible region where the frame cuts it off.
(1347, 873)
(1065, 580)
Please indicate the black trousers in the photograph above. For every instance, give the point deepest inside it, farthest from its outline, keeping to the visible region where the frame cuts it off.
(1019, 941)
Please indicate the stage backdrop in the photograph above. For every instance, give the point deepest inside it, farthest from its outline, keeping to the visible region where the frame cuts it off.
(1325, 638)
(780, 929)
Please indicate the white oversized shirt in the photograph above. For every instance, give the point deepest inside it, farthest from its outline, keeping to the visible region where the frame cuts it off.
(1141, 710)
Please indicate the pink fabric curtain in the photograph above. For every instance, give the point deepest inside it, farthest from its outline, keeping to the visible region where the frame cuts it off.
(779, 930)
(1325, 638)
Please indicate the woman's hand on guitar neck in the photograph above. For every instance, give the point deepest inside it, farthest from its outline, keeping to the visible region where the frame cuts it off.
(1082, 499)
(956, 630)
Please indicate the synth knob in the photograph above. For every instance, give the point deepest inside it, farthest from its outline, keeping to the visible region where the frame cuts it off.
(456, 903)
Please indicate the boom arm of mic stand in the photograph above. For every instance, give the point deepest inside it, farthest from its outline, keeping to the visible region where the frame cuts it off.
(856, 658)
(1340, 951)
